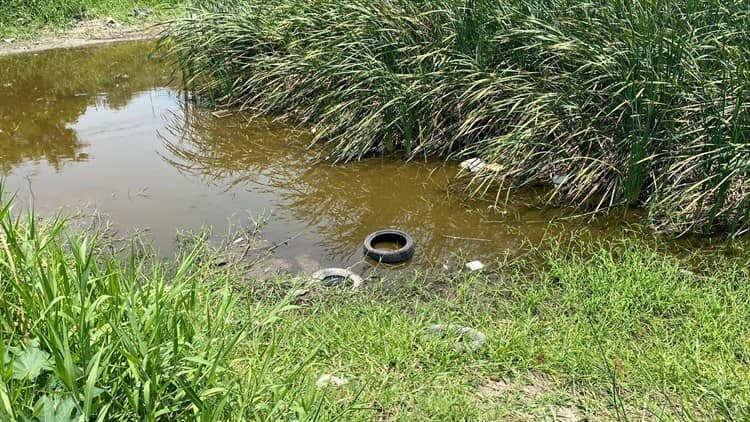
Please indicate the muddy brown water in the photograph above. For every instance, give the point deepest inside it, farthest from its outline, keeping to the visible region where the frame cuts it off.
(103, 128)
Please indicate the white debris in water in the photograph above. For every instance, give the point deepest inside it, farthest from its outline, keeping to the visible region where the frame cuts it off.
(559, 180)
(474, 265)
(326, 380)
(238, 240)
(494, 167)
(472, 164)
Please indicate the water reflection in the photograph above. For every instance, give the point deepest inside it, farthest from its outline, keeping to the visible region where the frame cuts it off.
(101, 126)
(341, 205)
(44, 95)
(232, 151)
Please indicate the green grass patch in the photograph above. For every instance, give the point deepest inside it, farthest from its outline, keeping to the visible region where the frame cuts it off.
(89, 336)
(600, 330)
(626, 103)
(26, 18)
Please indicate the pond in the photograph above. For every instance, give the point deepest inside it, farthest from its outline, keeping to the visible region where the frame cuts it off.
(103, 128)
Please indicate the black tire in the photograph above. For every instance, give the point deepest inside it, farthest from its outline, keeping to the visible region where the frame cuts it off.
(330, 277)
(404, 253)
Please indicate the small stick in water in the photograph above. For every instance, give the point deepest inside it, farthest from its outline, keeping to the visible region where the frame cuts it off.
(476, 239)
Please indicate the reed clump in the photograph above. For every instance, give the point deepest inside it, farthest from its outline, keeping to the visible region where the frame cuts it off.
(627, 103)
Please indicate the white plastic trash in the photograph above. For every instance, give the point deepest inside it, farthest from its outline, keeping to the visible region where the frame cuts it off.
(472, 164)
(559, 180)
(326, 380)
(494, 168)
(474, 265)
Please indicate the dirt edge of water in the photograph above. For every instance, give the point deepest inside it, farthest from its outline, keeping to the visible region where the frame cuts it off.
(92, 32)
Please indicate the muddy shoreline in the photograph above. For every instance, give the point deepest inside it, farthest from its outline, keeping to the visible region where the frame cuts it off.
(95, 32)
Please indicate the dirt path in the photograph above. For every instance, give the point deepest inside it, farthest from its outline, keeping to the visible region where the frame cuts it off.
(84, 33)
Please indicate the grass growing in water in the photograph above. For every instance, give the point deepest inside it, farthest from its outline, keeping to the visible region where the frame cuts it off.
(630, 103)
(599, 330)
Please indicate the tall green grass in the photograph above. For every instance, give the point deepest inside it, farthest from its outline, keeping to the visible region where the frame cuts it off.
(90, 336)
(639, 103)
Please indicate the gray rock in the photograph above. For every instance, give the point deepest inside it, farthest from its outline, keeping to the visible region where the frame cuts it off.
(467, 338)
(326, 380)
(300, 292)
(142, 12)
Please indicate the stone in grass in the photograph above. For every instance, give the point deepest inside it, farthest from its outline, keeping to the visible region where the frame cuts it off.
(326, 380)
(300, 292)
(474, 266)
(142, 13)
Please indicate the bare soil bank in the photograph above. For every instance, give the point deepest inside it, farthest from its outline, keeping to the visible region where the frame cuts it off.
(92, 32)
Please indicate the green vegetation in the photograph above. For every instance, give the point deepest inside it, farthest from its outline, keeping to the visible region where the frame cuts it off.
(607, 330)
(24, 18)
(86, 335)
(627, 103)
(636, 103)
(603, 331)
